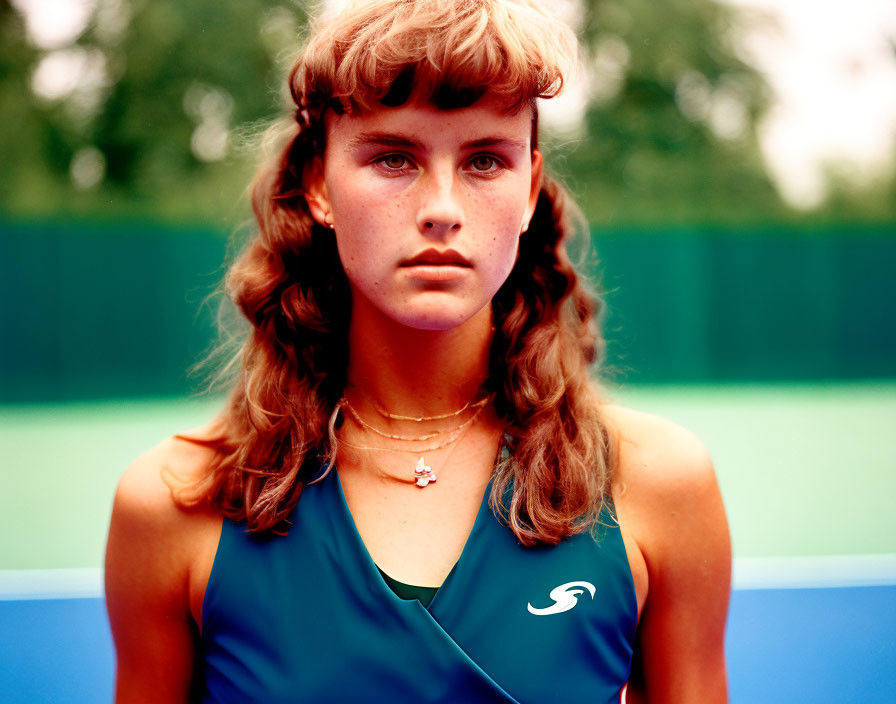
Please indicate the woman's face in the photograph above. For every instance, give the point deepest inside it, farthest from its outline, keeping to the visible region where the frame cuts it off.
(427, 206)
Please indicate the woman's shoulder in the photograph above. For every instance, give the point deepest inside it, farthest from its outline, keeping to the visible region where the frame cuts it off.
(144, 494)
(655, 450)
(665, 484)
(664, 475)
(151, 534)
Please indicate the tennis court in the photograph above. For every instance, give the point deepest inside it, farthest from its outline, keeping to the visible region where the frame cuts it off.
(807, 472)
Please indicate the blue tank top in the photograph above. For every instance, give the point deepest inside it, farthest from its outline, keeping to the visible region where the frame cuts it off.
(308, 617)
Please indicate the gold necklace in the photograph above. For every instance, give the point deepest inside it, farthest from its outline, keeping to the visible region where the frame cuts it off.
(423, 473)
(418, 438)
(367, 425)
(395, 416)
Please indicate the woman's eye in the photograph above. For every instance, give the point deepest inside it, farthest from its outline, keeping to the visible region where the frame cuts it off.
(393, 162)
(484, 162)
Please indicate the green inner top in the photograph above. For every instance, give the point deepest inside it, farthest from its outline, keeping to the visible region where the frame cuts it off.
(409, 591)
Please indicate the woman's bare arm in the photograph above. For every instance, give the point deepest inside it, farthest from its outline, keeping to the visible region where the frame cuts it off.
(147, 570)
(679, 652)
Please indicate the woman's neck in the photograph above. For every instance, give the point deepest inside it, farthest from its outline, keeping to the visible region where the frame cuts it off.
(416, 372)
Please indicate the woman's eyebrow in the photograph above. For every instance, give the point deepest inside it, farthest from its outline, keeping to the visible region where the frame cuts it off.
(385, 139)
(513, 144)
(389, 139)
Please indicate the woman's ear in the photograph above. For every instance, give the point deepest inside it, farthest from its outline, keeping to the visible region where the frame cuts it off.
(316, 193)
(535, 189)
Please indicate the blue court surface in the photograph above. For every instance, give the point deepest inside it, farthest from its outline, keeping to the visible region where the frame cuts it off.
(815, 645)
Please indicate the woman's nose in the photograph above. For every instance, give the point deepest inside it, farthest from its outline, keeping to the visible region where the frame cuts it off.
(440, 212)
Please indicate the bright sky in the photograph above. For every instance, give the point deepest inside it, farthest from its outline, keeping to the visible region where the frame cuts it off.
(831, 65)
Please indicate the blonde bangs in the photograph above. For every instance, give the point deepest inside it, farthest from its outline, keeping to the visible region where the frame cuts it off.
(447, 51)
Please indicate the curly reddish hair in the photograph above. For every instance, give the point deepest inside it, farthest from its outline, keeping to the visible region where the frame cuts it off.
(288, 283)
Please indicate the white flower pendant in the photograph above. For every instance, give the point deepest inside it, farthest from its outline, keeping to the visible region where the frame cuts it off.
(423, 474)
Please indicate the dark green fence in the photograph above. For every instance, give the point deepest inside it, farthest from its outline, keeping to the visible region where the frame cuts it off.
(92, 311)
(98, 311)
(778, 304)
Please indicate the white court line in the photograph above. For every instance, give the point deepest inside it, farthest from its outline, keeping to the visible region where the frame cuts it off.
(814, 572)
(79, 583)
(748, 573)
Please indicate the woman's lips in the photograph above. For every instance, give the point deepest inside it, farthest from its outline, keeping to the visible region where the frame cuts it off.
(437, 272)
(435, 258)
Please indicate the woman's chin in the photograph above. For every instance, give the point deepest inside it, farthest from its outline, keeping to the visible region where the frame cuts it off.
(434, 322)
(436, 318)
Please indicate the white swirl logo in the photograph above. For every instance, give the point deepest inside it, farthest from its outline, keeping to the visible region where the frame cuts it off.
(565, 597)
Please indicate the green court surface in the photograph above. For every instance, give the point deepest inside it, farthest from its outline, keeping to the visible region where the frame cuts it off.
(805, 470)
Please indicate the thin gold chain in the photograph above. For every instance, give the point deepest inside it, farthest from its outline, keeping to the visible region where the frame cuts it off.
(395, 416)
(455, 434)
(367, 425)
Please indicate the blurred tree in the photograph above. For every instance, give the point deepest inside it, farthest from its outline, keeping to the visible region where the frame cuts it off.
(151, 121)
(671, 126)
(858, 197)
(24, 171)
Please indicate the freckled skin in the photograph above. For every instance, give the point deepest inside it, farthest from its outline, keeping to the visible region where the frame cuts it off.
(390, 203)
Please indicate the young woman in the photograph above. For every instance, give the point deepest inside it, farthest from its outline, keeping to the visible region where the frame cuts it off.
(415, 493)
